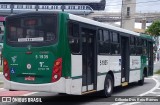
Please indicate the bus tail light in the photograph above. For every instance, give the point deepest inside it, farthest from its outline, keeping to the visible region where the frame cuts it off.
(6, 71)
(57, 70)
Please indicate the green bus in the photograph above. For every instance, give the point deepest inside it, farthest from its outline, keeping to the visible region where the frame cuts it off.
(65, 53)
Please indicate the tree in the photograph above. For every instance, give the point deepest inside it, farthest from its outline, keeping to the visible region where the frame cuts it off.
(154, 29)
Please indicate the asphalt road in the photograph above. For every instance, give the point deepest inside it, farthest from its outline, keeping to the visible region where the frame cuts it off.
(150, 88)
(95, 99)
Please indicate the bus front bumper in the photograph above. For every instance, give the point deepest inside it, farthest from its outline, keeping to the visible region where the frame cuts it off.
(59, 86)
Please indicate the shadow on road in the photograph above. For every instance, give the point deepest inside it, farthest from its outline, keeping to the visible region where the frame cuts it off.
(120, 89)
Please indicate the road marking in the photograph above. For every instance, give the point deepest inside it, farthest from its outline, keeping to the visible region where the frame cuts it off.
(118, 103)
(148, 78)
(155, 87)
(155, 76)
(131, 103)
(155, 92)
(13, 93)
(150, 91)
(28, 94)
(1, 88)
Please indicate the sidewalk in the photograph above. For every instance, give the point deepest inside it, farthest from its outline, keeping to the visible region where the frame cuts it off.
(155, 62)
(156, 66)
(157, 76)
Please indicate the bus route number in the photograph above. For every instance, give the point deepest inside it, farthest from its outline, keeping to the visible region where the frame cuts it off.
(103, 62)
(41, 56)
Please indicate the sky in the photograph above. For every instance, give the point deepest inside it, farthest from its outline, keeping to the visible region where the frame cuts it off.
(148, 6)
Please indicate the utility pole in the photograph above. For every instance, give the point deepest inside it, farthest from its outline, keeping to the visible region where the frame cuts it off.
(128, 14)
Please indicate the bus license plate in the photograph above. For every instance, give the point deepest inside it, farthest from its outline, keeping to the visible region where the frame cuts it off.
(29, 78)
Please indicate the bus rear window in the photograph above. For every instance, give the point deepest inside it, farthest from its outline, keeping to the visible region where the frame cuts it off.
(36, 30)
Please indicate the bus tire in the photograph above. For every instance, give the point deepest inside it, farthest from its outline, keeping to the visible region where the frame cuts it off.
(108, 86)
(141, 82)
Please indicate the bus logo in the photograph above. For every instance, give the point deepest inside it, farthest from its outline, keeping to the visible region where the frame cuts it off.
(41, 64)
(14, 59)
(6, 99)
(29, 66)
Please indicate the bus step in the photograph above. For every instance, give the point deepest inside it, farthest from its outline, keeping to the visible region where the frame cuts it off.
(91, 91)
(124, 84)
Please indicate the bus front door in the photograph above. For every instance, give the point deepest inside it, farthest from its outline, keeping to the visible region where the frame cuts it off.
(88, 59)
(124, 60)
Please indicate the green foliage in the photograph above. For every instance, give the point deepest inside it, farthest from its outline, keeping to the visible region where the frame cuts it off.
(1, 68)
(158, 72)
(154, 28)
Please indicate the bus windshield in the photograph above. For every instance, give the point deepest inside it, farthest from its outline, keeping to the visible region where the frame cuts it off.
(33, 30)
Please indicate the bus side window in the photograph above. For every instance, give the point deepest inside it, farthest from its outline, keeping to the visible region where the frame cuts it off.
(106, 35)
(144, 47)
(139, 46)
(100, 35)
(74, 39)
(115, 43)
(103, 42)
(132, 46)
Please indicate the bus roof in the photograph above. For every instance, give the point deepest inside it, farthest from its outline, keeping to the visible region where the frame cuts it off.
(147, 36)
(92, 22)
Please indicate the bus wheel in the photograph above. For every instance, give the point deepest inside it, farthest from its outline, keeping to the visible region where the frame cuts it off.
(108, 86)
(141, 82)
